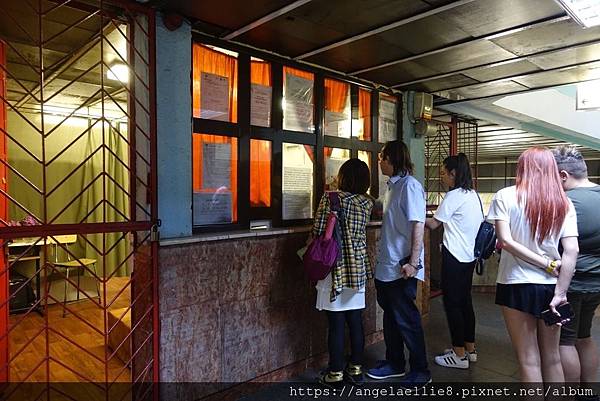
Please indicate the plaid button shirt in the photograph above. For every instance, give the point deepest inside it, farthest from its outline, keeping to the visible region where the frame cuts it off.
(354, 267)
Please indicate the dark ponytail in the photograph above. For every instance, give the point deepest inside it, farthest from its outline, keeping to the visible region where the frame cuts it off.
(462, 171)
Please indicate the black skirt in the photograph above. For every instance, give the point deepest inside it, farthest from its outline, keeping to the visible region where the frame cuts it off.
(528, 298)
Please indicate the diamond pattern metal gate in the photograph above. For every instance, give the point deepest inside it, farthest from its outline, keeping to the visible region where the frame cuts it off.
(77, 200)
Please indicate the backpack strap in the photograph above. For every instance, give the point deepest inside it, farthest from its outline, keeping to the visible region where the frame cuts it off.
(480, 205)
(334, 199)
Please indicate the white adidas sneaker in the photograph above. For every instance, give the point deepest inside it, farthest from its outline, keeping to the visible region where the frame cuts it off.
(451, 360)
(472, 355)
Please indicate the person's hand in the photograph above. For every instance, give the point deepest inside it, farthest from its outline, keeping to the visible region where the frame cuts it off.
(408, 271)
(557, 300)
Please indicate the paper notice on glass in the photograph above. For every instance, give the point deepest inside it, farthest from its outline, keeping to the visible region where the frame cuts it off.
(297, 193)
(337, 124)
(260, 105)
(216, 165)
(332, 167)
(214, 99)
(212, 208)
(387, 109)
(298, 89)
(383, 187)
(387, 130)
(298, 116)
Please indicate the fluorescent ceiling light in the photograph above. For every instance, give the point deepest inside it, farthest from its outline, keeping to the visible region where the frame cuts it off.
(585, 12)
(118, 72)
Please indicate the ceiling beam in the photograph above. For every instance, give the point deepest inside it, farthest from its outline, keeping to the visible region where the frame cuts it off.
(384, 28)
(497, 63)
(518, 76)
(68, 62)
(505, 32)
(265, 19)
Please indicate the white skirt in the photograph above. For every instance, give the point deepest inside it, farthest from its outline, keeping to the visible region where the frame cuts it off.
(349, 299)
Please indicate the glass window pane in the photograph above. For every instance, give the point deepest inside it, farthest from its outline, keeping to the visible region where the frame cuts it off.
(383, 179)
(214, 179)
(260, 173)
(214, 83)
(387, 118)
(261, 90)
(298, 100)
(334, 158)
(337, 109)
(361, 125)
(366, 157)
(297, 187)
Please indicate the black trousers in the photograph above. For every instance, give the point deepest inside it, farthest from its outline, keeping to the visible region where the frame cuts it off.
(335, 338)
(402, 323)
(457, 280)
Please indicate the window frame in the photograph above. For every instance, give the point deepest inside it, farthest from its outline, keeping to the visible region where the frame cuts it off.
(244, 132)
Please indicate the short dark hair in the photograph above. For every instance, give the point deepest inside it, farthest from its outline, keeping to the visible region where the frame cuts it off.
(462, 171)
(569, 159)
(396, 152)
(354, 177)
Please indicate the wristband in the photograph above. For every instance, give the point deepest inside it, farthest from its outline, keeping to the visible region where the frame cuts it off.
(552, 265)
(417, 267)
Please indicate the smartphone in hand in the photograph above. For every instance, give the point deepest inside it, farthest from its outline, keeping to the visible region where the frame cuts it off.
(565, 310)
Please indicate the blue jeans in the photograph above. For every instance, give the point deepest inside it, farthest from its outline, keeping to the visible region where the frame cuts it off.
(402, 323)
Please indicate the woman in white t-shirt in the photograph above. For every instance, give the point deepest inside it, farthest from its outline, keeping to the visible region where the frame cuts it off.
(461, 214)
(531, 219)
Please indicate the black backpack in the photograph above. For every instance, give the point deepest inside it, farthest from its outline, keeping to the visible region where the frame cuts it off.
(485, 242)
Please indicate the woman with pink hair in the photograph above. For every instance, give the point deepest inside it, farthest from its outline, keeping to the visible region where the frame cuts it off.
(531, 219)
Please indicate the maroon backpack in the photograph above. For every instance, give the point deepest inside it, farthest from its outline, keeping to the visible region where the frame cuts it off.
(323, 252)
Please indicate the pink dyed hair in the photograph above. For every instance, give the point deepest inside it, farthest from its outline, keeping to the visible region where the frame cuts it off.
(538, 182)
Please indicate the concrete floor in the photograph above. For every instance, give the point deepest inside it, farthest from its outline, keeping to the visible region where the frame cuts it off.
(496, 359)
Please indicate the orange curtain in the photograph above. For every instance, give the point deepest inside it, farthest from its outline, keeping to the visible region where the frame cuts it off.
(260, 151)
(298, 73)
(260, 73)
(214, 62)
(364, 112)
(197, 141)
(260, 173)
(336, 95)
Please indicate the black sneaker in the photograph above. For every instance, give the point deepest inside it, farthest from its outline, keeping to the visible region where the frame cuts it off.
(353, 374)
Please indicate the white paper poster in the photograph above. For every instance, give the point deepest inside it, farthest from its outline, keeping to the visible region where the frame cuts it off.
(298, 104)
(332, 167)
(387, 109)
(297, 193)
(214, 101)
(337, 124)
(387, 121)
(260, 105)
(216, 165)
(212, 208)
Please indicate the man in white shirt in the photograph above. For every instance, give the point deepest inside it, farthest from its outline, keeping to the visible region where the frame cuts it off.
(399, 265)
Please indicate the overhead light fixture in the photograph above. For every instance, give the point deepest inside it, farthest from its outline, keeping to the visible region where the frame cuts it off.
(118, 72)
(585, 12)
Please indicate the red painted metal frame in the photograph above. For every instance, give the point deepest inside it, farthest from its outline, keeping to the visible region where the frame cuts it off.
(49, 229)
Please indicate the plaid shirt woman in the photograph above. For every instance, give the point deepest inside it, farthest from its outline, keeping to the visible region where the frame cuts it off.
(354, 267)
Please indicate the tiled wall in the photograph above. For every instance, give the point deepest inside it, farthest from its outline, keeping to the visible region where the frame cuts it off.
(235, 310)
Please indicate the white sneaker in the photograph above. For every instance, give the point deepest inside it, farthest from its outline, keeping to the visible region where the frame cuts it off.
(451, 360)
(472, 355)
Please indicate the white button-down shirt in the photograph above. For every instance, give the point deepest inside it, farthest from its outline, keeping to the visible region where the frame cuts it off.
(403, 204)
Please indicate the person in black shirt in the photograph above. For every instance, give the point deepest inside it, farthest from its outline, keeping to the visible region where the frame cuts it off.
(578, 352)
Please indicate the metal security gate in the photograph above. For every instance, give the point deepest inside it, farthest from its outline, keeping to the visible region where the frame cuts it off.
(457, 136)
(78, 294)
